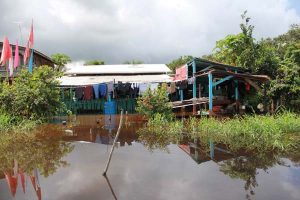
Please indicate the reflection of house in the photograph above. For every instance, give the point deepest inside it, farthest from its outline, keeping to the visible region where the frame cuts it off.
(201, 153)
(100, 129)
(38, 59)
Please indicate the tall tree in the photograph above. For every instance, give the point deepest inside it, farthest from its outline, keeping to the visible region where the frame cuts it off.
(60, 60)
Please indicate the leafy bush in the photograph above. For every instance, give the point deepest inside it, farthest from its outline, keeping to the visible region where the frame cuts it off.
(32, 96)
(153, 102)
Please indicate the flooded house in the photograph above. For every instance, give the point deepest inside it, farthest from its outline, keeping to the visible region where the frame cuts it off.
(106, 89)
(39, 59)
(206, 87)
(200, 87)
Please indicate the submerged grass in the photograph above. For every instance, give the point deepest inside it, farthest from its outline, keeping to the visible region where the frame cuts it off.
(160, 132)
(250, 132)
(10, 124)
(278, 132)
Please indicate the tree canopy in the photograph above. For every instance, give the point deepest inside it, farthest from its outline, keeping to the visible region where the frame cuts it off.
(60, 60)
(278, 58)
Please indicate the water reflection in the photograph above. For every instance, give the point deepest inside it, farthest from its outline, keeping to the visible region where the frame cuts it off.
(28, 155)
(242, 164)
(191, 169)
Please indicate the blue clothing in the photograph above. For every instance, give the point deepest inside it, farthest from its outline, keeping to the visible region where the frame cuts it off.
(102, 89)
(96, 91)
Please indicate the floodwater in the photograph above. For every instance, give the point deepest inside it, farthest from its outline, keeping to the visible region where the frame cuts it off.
(67, 162)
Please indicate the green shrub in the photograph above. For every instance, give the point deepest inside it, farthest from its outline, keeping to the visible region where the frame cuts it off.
(153, 102)
(32, 96)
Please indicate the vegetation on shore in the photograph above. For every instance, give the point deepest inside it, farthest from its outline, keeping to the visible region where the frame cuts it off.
(250, 132)
(31, 99)
(259, 133)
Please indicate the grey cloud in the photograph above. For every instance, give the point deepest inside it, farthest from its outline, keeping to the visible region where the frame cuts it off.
(154, 31)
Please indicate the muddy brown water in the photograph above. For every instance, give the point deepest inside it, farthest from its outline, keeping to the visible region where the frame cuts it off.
(185, 171)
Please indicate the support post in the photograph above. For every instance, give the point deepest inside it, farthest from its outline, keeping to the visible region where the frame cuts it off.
(236, 87)
(181, 95)
(113, 146)
(194, 86)
(200, 94)
(210, 92)
(222, 80)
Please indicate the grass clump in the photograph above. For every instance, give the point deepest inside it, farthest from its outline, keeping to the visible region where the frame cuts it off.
(278, 132)
(159, 132)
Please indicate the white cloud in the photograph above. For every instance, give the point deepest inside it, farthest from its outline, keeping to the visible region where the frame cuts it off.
(153, 31)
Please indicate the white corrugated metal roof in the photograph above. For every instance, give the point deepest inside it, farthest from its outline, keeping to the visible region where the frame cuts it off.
(119, 69)
(90, 80)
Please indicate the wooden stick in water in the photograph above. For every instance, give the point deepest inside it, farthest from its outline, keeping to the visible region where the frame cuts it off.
(113, 146)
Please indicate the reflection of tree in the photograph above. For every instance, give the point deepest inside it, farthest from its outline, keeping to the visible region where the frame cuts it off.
(42, 149)
(294, 155)
(246, 168)
(159, 136)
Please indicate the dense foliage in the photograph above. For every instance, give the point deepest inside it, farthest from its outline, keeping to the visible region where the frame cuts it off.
(32, 96)
(153, 102)
(279, 58)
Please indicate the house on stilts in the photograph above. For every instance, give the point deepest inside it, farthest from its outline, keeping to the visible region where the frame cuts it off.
(200, 87)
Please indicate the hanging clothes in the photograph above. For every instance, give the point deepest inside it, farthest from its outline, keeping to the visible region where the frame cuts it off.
(110, 87)
(172, 88)
(153, 86)
(79, 93)
(88, 93)
(102, 89)
(191, 80)
(96, 91)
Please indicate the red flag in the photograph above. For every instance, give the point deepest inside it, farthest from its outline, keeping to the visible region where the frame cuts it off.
(6, 52)
(16, 58)
(26, 53)
(30, 39)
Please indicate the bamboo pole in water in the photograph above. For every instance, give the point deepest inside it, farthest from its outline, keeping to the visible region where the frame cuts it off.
(113, 146)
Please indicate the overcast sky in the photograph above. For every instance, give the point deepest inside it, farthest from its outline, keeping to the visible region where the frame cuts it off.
(155, 31)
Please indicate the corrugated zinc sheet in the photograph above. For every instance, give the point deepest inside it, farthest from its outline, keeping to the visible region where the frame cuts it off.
(90, 80)
(118, 69)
